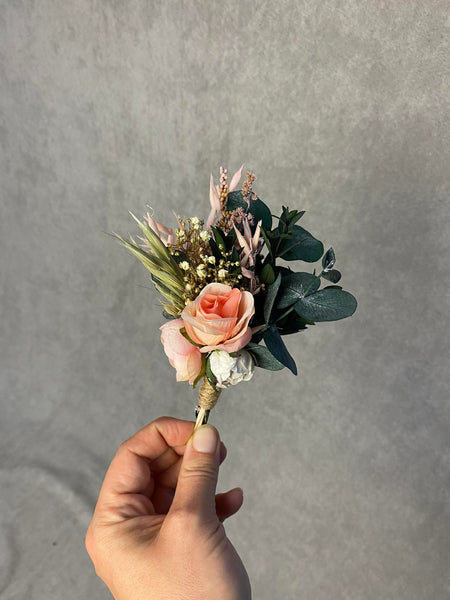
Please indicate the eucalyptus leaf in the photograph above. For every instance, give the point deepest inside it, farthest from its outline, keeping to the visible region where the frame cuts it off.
(275, 344)
(301, 246)
(292, 323)
(295, 286)
(334, 275)
(257, 208)
(264, 358)
(270, 298)
(328, 260)
(267, 274)
(329, 304)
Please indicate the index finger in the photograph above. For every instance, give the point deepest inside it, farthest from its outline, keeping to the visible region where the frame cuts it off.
(130, 469)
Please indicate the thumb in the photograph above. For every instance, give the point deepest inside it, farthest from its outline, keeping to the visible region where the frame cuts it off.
(197, 480)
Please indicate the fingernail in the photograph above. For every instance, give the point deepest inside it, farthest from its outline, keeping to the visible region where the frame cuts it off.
(205, 439)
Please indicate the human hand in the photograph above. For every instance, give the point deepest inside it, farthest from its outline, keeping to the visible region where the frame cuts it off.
(157, 531)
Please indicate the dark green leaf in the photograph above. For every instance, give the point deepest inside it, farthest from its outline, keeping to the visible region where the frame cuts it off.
(301, 246)
(257, 208)
(180, 256)
(328, 260)
(261, 212)
(292, 323)
(166, 315)
(334, 275)
(235, 200)
(258, 336)
(219, 239)
(267, 274)
(275, 344)
(265, 237)
(234, 256)
(295, 286)
(295, 216)
(329, 304)
(264, 358)
(270, 298)
(209, 374)
(215, 249)
(202, 370)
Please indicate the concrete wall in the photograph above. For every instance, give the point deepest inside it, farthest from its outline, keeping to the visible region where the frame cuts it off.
(340, 108)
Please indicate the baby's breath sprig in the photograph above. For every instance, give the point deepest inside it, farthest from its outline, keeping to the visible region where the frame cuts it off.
(193, 254)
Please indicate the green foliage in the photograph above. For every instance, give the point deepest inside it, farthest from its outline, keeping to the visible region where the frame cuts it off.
(328, 260)
(300, 245)
(263, 357)
(202, 371)
(277, 348)
(328, 304)
(209, 374)
(257, 208)
(270, 298)
(292, 323)
(295, 286)
(165, 272)
(334, 275)
(267, 274)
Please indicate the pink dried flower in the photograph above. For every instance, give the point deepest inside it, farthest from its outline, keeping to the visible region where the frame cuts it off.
(215, 193)
(165, 234)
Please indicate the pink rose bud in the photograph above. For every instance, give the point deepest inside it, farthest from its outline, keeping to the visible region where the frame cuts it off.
(183, 356)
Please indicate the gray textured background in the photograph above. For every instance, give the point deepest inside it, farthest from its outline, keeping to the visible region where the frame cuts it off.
(341, 109)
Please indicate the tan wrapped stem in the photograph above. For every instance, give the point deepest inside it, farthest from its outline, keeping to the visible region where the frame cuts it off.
(207, 399)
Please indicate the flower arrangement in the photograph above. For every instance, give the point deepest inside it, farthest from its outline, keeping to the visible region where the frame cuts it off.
(227, 301)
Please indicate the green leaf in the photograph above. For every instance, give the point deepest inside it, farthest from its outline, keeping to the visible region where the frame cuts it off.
(301, 246)
(270, 298)
(334, 275)
(215, 249)
(263, 357)
(209, 374)
(219, 239)
(235, 200)
(276, 346)
(328, 260)
(292, 323)
(265, 237)
(295, 286)
(202, 371)
(295, 216)
(186, 337)
(267, 274)
(329, 304)
(234, 256)
(257, 208)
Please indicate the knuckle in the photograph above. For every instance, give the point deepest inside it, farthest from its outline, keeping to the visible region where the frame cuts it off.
(199, 471)
(89, 541)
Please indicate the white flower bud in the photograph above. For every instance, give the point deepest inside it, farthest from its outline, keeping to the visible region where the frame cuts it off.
(230, 370)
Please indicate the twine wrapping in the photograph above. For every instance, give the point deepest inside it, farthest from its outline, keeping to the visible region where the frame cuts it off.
(207, 399)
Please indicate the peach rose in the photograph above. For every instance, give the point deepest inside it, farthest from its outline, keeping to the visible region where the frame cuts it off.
(218, 318)
(182, 355)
